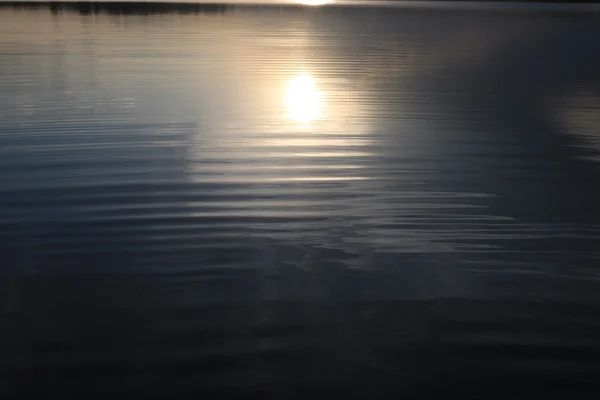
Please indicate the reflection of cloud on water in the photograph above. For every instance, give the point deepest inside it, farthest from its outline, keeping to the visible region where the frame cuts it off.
(579, 114)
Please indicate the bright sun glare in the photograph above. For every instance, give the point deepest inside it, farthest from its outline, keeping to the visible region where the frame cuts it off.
(303, 98)
(314, 2)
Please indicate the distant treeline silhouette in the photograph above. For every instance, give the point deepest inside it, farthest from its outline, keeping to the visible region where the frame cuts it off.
(120, 8)
(145, 8)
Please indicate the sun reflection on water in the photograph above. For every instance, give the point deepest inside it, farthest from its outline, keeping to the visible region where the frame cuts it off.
(303, 98)
(314, 2)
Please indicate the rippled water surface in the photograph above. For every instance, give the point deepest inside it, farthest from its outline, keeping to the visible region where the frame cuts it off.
(300, 202)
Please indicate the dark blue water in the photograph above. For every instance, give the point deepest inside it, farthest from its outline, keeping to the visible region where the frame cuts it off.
(289, 203)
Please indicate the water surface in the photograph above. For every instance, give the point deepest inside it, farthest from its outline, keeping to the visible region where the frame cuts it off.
(298, 202)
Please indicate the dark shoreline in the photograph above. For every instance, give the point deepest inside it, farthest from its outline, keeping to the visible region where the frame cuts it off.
(147, 8)
(142, 8)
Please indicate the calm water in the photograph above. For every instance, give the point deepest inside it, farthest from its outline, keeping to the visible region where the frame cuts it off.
(284, 203)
